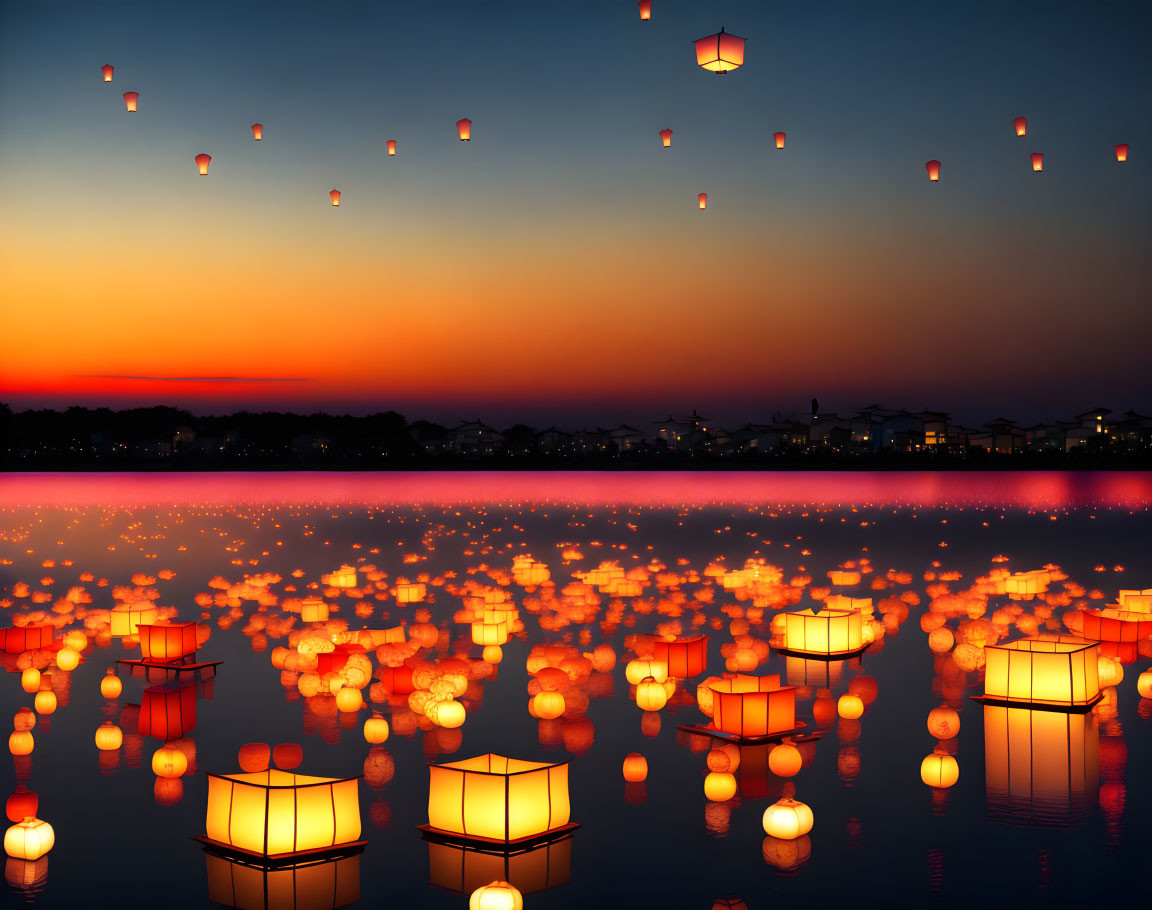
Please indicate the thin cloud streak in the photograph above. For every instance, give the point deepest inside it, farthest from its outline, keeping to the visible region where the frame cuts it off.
(195, 378)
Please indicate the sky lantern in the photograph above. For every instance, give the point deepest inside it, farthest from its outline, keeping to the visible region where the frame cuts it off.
(391, 148)
(1021, 125)
(464, 128)
(645, 9)
(829, 633)
(29, 839)
(702, 200)
(107, 69)
(497, 798)
(666, 138)
(933, 170)
(787, 819)
(497, 895)
(1121, 151)
(257, 131)
(684, 657)
(167, 643)
(779, 137)
(334, 195)
(1037, 161)
(1059, 671)
(753, 705)
(720, 53)
(279, 814)
(130, 99)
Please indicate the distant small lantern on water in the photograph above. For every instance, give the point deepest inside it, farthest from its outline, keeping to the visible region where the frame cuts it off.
(109, 737)
(334, 195)
(1037, 161)
(1122, 151)
(110, 685)
(933, 167)
(1021, 125)
(779, 137)
(107, 69)
(391, 148)
(635, 767)
(787, 819)
(702, 200)
(130, 99)
(257, 131)
(939, 770)
(645, 9)
(720, 53)
(29, 839)
(464, 128)
(666, 138)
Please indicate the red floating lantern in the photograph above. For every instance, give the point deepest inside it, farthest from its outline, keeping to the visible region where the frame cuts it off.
(720, 53)
(1037, 161)
(257, 131)
(1021, 125)
(107, 69)
(933, 170)
(1121, 151)
(753, 705)
(32, 637)
(22, 804)
(666, 138)
(464, 128)
(163, 644)
(130, 99)
(167, 712)
(645, 9)
(287, 756)
(779, 137)
(253, 757)
(684, 657)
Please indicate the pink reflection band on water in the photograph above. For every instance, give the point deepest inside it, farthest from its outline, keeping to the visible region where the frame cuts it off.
(1001, 488)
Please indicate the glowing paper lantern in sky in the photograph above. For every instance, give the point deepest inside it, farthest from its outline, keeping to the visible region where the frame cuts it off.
(130, 99)
(1060, 671)
(464, 128)
(277, 813)
(720, 53)
(933, 170)
(1037, 161)
(779, 137)
(498, 798)
(666, 138)
(684, 657)
(163, 644)
(828, 633)
(1021, 125)
(391, 147)
(702, 200)
(334, 195)
(645, 9)
(107, 69)
(753, 705)
(1121, 151)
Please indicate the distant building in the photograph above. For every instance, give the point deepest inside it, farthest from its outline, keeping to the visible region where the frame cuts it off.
(475, 438)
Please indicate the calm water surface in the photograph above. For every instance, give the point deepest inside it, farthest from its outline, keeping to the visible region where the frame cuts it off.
(237, 552)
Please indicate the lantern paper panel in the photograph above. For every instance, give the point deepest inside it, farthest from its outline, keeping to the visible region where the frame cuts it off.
(829, 632)
(720, 53)
(107, 70)
(125, 619)
(684, 657)
(1057, 671)
(933, 167)
(277, 813)
(497, 798)
(753, 705)
(32, 637)
(463, 869)
(1114, 625)
(257, 131)
(1040, 767)
(322, 885)
(167, 712)
(1135, 601)
(167, 643)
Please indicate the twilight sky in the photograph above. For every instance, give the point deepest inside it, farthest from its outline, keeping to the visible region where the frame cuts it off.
(556, 268)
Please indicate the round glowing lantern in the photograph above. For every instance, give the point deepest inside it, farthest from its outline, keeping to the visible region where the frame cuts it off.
(29, 839)
(334, 195)
(349, 699)
(1037, 161)
(720, 786)
(933, 167)
(850, 706)
(636, 671)
(253, 757)
(1121, 151)
(168, 791)
(25, 719)
(202, 162)
(1144, 684)
(666, 138)
(464, 128)
(107, 69)
(391, 148)
(30, 680)
(449, 714)
(651, 695)
(496, 895)
(941, 640)
(375, 729)
(1109, 670)
(939, 770)
(785, 760)
(1021, 126)
(779, 137)
(169, 762)
(130, 99)
(724, 758)
(110, 685)
(67, 659)
(257, 131)
(20, 742)
(635, 768)
(943, 722)
(287, 756)
(109, 737)
(45, 701)
(787, 819)
(22, 804)
(645, 9)
(548, 705)
(492, 654)
(720, 53)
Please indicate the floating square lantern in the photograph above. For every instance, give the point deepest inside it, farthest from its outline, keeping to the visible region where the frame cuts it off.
(1040, 766)
(462, 868)
(490, 633)
(278, 814)
(1058, 671)
(749, 706)
(344, 577)
(1110, 624)
(167, 712)
(684, 657)
(497, 799)
(163, 644)
(32, 637)
(313, 609)
(125, 619)
(1136, 601)
(308, 885)
(410, 592)
(829, 633)
(1026, 585)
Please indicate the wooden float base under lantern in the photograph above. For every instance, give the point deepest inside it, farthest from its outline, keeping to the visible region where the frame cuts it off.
(736, 738)
(174, 667)
(491, 843)
(1037, 706)
(252, 858)
(839, 655)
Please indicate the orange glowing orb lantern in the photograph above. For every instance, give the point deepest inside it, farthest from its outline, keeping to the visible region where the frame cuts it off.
(29, 839)
(110, 685)
(753, 705)
(202, 162)
(166, 643)
(22, 804)
(829, 633)
(494, 798)
(257, 131)
(779, 137)
(1058, 671)
(497, 895)
(635, 767)
(645, 9)
(278, 813)
(344, 577)
(684, 657)
(702, 200)
(130, 99)
(167, 712)
(1121, 151)
(32, 637)
(107, 69)
(787, 819)
(464, 128)
(1021, 126)
(391, 148)
(933, 167)
(939, 770)
(334, 195)
(1037, 161)
(720, 53)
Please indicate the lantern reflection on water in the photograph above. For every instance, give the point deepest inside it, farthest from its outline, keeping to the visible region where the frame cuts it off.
(684, 657)
(494, 798)
(1040, 767)
(308, 885)
(167, 712)
(1057, 671)
(829, 633)
(751, 706)
(462, 868)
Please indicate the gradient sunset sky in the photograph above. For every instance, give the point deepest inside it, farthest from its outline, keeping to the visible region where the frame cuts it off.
(556, 268)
